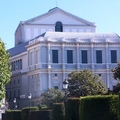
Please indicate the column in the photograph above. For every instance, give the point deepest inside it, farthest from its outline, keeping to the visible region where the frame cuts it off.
(106, 50)
(92, 61)
(34, 56)
(28, 58)
(107, 64)
(49, 65)
(40, 79)
(63, 77)
(77, 50)
(63, 56)
(49, 79)
(108, 78)
(39, 56)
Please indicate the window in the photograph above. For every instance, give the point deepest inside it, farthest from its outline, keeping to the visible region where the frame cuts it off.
(12, 66)
(69, 56)
(58, 27)
(17, 65)
(84, 56)
(14, 94)
(98, 56)
(55, 87)
(18, 93)
(55, 75)
(14, 82)
(18, 81)
(10, 95)
(113, 56)
(99, 74)
(55, 56)
(20, 64)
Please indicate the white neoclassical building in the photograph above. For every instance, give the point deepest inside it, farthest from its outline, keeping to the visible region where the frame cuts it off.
(50, 46)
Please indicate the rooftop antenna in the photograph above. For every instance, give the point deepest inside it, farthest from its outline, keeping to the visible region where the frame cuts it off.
(56, 3)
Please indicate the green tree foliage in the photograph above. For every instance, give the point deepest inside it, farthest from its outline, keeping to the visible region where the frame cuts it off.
(116, 72)
(116, 89)
(51, 96)
(85, 83)
(5, 73)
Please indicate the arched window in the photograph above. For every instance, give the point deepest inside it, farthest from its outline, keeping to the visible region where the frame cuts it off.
(58, 27)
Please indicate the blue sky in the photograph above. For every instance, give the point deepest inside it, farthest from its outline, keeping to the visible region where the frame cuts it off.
(105, 13)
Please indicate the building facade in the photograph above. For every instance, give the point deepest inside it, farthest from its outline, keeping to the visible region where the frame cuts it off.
(52, 45)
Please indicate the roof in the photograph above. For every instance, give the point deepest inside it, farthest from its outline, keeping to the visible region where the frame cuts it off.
(66, 37)
(73, 37)
(81, 35)
(18, 49)
(61, 10)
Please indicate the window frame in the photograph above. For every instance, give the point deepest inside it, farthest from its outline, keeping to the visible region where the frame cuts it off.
(99, 58)
(55, 56)
(70, 56)
(58, 26)
(113, 54)
(84, 59)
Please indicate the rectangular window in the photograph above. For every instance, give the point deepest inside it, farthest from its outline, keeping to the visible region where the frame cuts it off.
(12, 66)
(113, 56)
(14, 94)
(98, 56)
(69, 56)
(10, 95)
(18, 93)
(20, 64)
(84, 56)
(55, 56)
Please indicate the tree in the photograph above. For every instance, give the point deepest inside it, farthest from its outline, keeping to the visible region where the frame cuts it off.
(116, 72)
(116, 75)
(5, 72)
(116, 89)
(85, 83)
(51, 96)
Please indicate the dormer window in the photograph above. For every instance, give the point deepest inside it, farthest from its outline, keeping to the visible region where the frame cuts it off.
(58, 27)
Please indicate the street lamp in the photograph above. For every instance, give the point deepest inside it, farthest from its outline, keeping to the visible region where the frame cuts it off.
(29, 97)
(14, 101)
(65, 87)
(65, 84)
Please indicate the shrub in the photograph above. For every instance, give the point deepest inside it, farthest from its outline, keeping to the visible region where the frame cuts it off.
(16, 115)
(99, 107)
(73, 108)
(25, 113)
(42, 107)
(8, 115)
(58, 112)
(43, 115)
(3, 116)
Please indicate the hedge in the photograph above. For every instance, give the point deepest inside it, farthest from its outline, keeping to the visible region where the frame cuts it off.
(8, 115)
(25, 113)
(42, 115)
(3, 116)
(16, 115)
(73, 108)
(58, 112)
(103, 107)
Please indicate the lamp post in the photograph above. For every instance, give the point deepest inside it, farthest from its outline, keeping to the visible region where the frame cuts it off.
(29, 97)
(65, 87)
(14, 101)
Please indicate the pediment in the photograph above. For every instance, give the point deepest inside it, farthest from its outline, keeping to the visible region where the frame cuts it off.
(57, 14)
